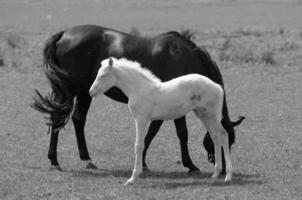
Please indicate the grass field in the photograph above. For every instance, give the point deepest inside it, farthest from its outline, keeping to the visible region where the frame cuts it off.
(258, 47)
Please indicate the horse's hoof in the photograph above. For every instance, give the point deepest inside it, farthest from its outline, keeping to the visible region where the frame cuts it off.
(146, 170)
(194, 171)
(55, 168)
(90, 165)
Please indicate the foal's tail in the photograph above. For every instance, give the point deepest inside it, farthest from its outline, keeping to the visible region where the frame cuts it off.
(215, 75)
(59, 103)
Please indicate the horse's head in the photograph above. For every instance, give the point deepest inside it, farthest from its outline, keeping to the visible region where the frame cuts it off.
(105, 78)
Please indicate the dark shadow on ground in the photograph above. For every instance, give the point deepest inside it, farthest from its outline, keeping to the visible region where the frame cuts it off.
(204, 179)
(172, 180)
(125, 173)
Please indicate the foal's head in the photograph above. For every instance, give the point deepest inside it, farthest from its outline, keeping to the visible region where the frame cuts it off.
(105, 78)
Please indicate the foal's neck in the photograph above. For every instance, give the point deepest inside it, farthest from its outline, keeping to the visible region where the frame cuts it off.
(132, 82)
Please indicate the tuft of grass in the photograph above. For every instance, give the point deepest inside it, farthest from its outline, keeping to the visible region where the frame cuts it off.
(237, 53)
(249, 32)
(267, 57)
(2, 63)
(281, 31)
(223, 56)
(15, 41)
(245, 50)
(289, 46)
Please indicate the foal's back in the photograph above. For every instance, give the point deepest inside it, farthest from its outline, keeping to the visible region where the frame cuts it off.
(181, 95)
(194, 84)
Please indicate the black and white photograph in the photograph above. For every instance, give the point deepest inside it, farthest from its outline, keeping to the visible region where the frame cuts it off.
(150, 100)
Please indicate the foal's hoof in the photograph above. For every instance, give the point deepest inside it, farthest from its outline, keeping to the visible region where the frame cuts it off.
(90, 165)
(227, 180)
(55, 168)
(215, 176)
(129, 182)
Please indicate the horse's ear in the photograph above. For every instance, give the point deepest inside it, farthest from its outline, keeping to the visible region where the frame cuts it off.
(110, 61)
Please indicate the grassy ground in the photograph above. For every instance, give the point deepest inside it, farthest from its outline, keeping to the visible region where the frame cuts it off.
(259, 52)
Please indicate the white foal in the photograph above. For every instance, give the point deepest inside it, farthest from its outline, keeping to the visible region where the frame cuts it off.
(151, 99)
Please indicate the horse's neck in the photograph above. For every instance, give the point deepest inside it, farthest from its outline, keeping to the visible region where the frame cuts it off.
(132, 82)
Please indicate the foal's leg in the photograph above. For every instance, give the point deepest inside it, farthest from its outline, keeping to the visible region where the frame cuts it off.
(182, 133)
(226, 151)
(227, 124)
(216, 137)
(141, 126)
(228, 127)
(211, 126)
(220, 139)
(153, 130)
(209, 145)
(79, 119)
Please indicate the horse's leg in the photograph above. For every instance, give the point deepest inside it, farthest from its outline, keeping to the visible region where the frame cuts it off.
(79, 119)
(56, 118)
(209, 147)
(182, 133)
(153, 130)
(141, 125)
(52, 151)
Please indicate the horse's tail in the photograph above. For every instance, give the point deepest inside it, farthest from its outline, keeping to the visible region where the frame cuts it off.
(59, 103)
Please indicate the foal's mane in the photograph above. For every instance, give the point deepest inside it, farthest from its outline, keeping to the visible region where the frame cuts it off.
(124, 63)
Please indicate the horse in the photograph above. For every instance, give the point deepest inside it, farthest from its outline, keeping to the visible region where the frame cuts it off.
(71, 60)
(150, 99)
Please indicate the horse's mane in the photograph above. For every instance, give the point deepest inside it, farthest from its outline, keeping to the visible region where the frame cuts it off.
(212, 68)
(136, 66)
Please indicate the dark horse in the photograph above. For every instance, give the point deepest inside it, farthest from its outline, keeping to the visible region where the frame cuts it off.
(72, 59)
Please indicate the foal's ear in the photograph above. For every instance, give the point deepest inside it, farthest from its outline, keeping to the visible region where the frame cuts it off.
(110, 61)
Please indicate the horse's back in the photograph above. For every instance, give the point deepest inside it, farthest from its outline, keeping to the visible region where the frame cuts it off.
(79, 52)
